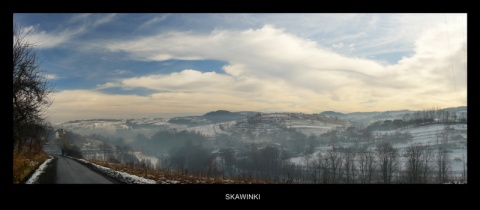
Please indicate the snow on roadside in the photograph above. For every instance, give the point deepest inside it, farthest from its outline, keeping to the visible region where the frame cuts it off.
(170, 182)
(34, 178)
(126, 177)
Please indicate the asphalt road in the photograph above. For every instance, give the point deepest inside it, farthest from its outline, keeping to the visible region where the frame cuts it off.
(69, 171)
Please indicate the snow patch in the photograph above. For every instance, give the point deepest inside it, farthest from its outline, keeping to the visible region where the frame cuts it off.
(34, 178)
(126, 177)
(170, 182)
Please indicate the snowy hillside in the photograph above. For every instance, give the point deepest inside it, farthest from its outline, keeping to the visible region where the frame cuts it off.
(125, 128)
(249, 143)
(129, 128)
(431, 135)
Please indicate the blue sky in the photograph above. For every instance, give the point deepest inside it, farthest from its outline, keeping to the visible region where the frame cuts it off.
(154, 65)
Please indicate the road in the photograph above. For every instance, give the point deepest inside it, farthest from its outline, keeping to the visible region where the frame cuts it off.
(67, 171)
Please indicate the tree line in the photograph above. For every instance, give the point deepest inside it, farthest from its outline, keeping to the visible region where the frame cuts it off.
(418, 164)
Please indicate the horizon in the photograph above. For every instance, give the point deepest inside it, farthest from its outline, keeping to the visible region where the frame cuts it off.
(123, 66)
(174, 115)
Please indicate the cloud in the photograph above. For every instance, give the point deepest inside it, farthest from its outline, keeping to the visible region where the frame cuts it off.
(265, 53)
(270, 69)
(156, 19)
(43, 39)
(186, 80)
(79, 17)
(121, 72)
(107, 85)
(103, 20)
(376, 34)
(191, 81)
(49, 39)
(84, 104)
(338, 45)
(272, 54)
(51, 76)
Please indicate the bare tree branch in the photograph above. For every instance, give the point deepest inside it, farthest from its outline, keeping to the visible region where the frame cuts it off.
(30, 91)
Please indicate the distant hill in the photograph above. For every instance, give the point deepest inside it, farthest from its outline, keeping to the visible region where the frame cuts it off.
(398, 111)
(210, 122)
(456, 109)
(392, 114)
(248, 113)
(332, 114)
(223, 116)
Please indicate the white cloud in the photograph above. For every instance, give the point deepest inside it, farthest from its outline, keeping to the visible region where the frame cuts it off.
(107, 85)
(337, 45)
(43, 39)
(270, 69)
(121, 72)
(156, 19)
(186, 80)
(82, 104)
(262, 52)
(103, 20)
(351, 47)
(79, 17)
(375, 34)
(51, 76)
(50, 39)
(272, 54)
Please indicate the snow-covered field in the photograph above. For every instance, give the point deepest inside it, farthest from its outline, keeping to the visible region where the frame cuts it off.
(313, 129)
(206, 130)
(126, 129)
(211, 130)
(424, 135)
(129, 128)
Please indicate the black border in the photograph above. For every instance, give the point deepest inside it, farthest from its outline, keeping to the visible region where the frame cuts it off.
(182, 195)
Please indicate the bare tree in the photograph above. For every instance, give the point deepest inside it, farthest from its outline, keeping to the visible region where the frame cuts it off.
(427, 166)
(30, 91)
(413, 164)
(335, 162)
(322, 168)
(388, 163)
(446, 116)
(38, 134)
(270, 157)
(366, 167)
(367, 134)
(417, 167)
(106, 149)
(317, 166)
(310, 166)
(447, 134)
(349, 166)
(463, 117)
(443, 166)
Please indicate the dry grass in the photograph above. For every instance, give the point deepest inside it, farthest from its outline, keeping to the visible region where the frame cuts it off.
(162, 176)
(24, 164)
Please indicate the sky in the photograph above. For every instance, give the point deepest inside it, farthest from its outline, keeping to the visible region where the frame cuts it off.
(163, 65)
